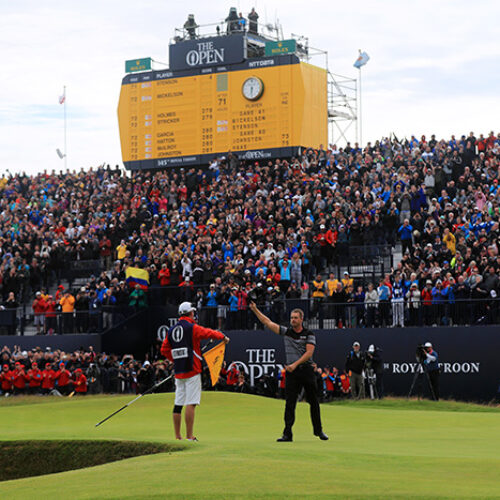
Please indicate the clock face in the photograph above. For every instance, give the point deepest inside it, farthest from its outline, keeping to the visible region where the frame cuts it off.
(253, 88)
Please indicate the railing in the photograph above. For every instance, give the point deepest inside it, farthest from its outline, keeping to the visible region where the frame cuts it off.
(319, 313)
(326, 314)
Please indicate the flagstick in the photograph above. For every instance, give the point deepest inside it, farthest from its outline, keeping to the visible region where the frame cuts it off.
(65, 146)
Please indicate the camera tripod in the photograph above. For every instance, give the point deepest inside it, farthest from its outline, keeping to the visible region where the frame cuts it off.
(371, 378)
(417, 376)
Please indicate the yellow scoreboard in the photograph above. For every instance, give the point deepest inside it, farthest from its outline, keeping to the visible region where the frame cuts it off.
(257, 109)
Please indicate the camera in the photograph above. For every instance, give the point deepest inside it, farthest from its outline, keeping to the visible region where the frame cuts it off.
(420, 353)
(253, 296)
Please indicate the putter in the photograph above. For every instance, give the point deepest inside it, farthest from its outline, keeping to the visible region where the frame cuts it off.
(150, 390)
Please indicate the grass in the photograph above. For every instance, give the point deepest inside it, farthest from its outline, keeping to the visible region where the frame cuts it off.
(419, 405)
(36, 458)
(389, 449)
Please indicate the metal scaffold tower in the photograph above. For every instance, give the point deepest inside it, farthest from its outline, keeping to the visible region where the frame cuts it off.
(342, 108)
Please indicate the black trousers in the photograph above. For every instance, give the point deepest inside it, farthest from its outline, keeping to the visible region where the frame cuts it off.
(302, 377)
(434, 378)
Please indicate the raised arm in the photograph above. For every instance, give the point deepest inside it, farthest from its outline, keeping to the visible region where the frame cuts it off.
(264, 319)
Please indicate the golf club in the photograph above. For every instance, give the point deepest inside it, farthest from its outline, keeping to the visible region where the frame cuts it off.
(150, 390)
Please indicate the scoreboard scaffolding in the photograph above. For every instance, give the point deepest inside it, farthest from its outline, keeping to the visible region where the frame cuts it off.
(214, 100)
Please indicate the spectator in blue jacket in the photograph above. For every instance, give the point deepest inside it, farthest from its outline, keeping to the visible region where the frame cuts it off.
(212, 303)
(405, 233)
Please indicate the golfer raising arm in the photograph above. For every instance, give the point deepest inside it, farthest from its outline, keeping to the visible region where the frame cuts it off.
(299, 348)
(182, 346)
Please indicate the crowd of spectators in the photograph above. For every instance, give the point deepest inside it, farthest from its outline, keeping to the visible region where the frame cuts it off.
(274, 228)
(48, 372)
(83, 371)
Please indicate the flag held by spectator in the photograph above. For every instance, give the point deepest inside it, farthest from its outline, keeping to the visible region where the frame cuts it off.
(362, 59)
(62, 97)
(137, 276)
(214, 359)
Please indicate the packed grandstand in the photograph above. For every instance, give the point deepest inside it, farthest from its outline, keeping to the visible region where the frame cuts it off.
(279, 232)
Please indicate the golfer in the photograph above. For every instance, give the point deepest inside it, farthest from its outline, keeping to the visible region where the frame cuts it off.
(182, 346)
(299, 349)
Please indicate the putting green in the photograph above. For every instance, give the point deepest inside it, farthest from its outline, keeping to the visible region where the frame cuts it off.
(375, 451)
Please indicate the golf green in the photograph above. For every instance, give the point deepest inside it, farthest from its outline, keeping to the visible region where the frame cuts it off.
(376, 450)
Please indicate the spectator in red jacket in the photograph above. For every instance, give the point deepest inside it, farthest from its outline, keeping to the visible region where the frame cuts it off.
(19, 379)
(39, 307)
(164, 275)
(34, 376)
(426, 298)
(64, 382)
(50, 315)
(6, 376)
(232, 377)
(80, 382)
(48, 379)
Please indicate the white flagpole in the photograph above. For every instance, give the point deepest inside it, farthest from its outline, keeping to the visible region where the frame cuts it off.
(360, 114)
(65, 146)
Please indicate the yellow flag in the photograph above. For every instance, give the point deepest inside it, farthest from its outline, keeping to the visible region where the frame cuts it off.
(214, 359)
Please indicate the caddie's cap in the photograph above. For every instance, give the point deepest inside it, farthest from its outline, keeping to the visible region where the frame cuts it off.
(186, 308)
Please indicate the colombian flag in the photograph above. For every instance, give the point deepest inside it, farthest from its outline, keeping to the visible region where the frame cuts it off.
(214, 359)
(137, 276)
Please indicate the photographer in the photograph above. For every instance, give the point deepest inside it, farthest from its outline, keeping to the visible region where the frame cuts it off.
(374, 362)
(354, 366)
(431, 365)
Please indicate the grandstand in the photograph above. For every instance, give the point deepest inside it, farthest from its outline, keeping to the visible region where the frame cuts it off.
(272, 226)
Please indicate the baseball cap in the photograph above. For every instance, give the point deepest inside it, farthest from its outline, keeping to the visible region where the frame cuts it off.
(186, 308)
(371, 348)
(356, 344)
(427, 344)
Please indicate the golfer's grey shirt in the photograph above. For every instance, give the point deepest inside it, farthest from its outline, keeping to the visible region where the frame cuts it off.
(295, 343)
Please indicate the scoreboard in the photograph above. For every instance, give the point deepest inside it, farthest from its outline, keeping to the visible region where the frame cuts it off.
(257, 109)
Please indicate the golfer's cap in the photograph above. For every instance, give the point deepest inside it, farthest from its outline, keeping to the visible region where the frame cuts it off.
(371, 348)
(186, 308)
(427, 344)
(356, 344)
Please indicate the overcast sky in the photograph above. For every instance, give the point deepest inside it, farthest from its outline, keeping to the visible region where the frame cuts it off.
(434, 66)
